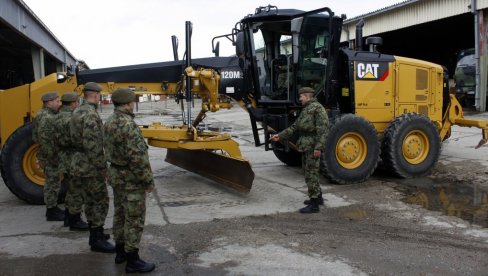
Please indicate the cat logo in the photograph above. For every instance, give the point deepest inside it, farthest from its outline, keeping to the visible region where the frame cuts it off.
(371, 71)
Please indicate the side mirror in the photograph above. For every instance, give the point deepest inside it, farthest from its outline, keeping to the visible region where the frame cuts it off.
(217, 49)
(61, 78)
(240, 44)
(296, 26)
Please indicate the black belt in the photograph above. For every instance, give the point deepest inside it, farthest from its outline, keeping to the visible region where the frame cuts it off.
(118, 166)
(77, 149)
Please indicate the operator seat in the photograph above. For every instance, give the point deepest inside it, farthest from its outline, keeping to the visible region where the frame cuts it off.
(281, 73)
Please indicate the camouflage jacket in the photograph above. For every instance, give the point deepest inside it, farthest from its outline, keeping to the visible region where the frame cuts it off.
(126, 151)
(312, 127)
(43, 135)
(64, 145)
(87, 138)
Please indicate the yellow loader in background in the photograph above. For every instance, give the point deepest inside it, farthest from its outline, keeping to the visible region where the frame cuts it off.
(380, 106)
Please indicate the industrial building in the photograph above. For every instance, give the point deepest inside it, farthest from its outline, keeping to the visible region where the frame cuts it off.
(28, 49)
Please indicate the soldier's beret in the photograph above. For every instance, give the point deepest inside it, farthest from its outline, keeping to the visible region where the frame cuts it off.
(123, 96)
(69, 97)
(92, 86)
(49, 96)
(304, 90)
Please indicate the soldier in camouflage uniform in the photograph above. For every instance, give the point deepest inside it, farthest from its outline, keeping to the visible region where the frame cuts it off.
(130, 176)
(74, 195)
(89, 167)
(42, 134)
(312, 126)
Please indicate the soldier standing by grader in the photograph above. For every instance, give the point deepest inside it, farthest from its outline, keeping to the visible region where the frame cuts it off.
(130, 176)
(42, 134)
(312, 126)
(89, 166)
(74, 195)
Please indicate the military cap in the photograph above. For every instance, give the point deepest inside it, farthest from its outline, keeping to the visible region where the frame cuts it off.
(49, 96)
(92, 86)
(304, 90)
(123, 96)
(69, 97)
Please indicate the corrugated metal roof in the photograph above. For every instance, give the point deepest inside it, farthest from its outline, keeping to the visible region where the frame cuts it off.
(408, 13)
(382, 10)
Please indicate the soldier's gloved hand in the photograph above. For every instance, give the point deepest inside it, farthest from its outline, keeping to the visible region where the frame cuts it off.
(275, 138)
(102, 170)
(149, 185)
(149, 189)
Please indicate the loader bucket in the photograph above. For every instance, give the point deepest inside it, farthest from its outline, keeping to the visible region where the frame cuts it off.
(231, 172)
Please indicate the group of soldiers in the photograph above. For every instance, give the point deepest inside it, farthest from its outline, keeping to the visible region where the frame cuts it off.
(78, 151)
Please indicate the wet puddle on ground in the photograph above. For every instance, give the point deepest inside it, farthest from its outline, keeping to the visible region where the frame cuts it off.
(354, 214)
(466, 201)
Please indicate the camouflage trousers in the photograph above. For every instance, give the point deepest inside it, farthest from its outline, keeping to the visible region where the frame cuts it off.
(129, 216)
(95, 194)
(311, 167)
(52, 185)
(74, 196)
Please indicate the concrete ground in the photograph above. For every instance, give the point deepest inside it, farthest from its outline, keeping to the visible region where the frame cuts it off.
(434, 225)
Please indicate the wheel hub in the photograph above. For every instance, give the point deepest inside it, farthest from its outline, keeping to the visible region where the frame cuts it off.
(415, 147)
(32, 169)
(351, 150)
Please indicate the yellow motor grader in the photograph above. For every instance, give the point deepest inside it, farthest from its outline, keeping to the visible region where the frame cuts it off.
(380, 106)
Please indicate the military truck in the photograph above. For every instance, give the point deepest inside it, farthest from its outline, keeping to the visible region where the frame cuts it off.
(464, 77)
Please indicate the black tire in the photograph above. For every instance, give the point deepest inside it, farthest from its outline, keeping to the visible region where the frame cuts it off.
(418, 159)
(350, 131)
(290, 158)
(17, 146)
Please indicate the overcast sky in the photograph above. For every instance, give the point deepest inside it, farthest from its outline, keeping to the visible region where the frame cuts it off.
(107, 33)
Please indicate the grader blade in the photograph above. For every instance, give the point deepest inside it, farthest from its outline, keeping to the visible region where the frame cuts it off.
(231, 172)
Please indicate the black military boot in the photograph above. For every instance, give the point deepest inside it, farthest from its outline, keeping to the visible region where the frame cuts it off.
(98, 241)
(66, 217)
(120, 251)
(76, 223)
(313, 207)
(320, 198)
(90, 240)
(92, 234)
(135, 264)
(54, 214)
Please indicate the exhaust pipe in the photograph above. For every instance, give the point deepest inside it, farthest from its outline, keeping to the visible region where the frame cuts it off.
(188, 32)
(359, 35)
(174, 41)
